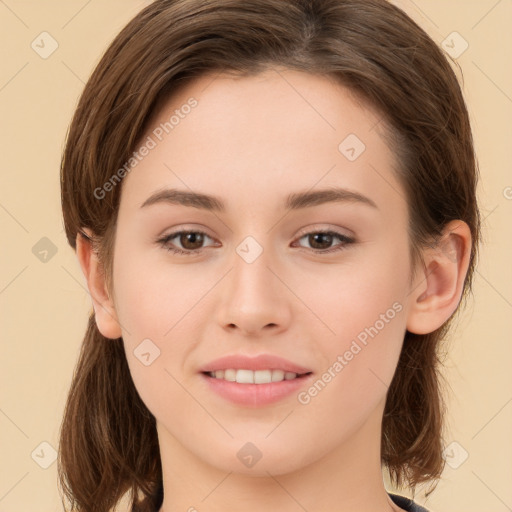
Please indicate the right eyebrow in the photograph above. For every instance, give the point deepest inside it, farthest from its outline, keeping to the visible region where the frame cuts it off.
(185, 198)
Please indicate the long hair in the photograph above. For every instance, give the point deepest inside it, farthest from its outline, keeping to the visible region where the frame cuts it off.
(108, 443)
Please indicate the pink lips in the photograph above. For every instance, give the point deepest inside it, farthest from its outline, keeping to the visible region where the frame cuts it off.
(255, 395)
(260, 362)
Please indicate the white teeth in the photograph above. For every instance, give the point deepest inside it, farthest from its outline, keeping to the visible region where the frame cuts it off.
(277, 375)
(229, 375)
(245, 376)
(253, 377)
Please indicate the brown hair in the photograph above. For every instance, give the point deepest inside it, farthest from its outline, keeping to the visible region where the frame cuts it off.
(371, 47)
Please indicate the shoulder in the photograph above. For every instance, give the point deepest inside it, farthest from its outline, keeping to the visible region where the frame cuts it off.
(406, 503)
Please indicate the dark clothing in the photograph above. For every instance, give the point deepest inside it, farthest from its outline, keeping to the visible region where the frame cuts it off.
(406, 503)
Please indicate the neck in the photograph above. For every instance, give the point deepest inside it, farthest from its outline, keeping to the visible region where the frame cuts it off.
(346, 479)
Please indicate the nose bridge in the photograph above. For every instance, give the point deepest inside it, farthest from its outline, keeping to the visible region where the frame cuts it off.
(253, 296)
(251, 275)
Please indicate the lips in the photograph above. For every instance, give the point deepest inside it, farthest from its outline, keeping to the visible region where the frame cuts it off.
(251, 386)
(259, 362)
(256, 395)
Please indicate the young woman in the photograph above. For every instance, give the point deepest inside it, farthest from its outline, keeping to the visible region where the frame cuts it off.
(273, 203)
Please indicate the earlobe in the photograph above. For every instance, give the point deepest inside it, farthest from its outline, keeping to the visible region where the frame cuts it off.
(104, 310)
(438, 289)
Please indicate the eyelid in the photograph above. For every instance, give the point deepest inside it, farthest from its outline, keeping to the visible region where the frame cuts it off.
(319, 228)
(345, 240)
(185, 227)
(180, 230)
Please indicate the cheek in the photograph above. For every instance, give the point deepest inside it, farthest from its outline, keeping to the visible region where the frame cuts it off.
(158, 307)
(154, 299)
(359, 362)
(369, 290)
(364, 307)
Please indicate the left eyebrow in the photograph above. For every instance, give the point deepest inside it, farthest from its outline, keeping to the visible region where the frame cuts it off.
(294, 201)
(300, 200)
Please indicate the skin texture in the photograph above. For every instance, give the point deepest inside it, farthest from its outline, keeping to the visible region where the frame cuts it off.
(252, 141)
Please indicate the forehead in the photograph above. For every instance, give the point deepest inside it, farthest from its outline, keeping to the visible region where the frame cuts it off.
(319, 104)
(261, 135)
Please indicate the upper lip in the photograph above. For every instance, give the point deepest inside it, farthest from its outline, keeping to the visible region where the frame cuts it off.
(259, 362)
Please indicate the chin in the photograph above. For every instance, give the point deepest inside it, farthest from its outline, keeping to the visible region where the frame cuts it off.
(259, 459)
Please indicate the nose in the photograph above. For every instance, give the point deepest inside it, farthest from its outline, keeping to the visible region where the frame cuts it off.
(254, 298)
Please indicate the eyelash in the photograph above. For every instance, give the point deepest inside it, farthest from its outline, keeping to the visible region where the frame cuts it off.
(164, 242)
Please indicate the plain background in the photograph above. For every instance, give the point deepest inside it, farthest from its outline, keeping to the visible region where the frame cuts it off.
(45, 305)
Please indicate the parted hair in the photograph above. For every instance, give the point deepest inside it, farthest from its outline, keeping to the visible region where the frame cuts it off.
(108, 438)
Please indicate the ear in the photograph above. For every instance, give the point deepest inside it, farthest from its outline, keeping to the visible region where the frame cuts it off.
(438, 287)
(104, 310)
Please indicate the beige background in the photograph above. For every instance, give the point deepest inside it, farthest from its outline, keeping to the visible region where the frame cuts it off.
(44, 305)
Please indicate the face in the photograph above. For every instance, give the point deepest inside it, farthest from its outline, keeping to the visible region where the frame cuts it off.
(269, 267)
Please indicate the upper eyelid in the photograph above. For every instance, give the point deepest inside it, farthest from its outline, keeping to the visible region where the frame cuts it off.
(318, 227)
(301, 233)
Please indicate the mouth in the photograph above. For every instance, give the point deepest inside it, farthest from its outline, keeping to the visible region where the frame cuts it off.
(255, 388)
(244, 376)
(254, 380)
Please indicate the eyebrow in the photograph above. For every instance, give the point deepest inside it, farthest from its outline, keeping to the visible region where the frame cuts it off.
(294, 201)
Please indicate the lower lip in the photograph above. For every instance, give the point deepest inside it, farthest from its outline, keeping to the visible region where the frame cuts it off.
(256, 395)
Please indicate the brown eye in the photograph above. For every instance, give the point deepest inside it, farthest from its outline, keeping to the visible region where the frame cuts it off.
(191, 242)
(321, 241)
